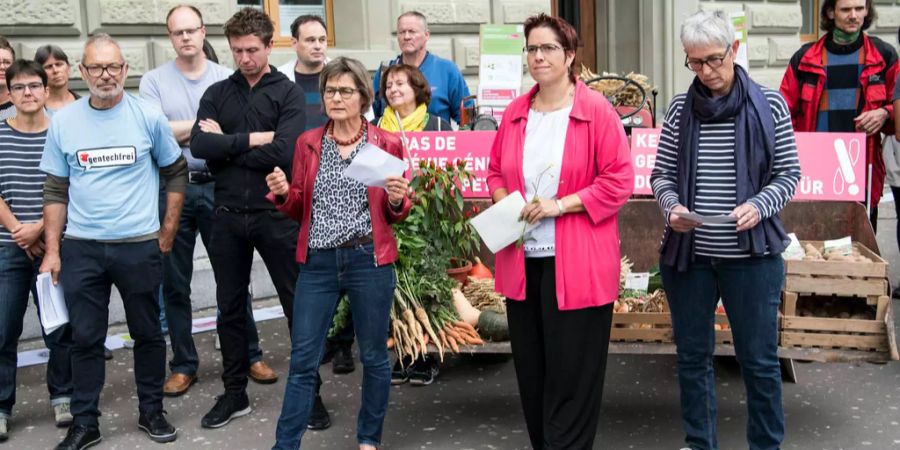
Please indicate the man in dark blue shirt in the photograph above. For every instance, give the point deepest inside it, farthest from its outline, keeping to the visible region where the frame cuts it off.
(448, 87)
(309, 39)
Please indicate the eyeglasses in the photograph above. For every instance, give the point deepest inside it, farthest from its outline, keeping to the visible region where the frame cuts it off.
(544, 48)
(97, 71)
(185, 32)
(19, 89)
(346, 92)
(714, 62)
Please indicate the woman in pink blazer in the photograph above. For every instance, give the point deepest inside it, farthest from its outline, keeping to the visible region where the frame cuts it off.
(563, 147)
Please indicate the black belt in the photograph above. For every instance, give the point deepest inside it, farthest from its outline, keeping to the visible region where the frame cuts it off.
(357, 241)
(200, 177)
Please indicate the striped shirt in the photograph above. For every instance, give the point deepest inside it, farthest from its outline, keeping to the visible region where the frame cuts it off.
(715, 191)
(21, 179)
(840, 103)
(7, 110)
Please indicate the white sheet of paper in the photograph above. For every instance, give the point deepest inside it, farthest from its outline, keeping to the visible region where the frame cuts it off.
(372, 165)
(499, 225)
(638, 281)
(53, 311)
(724, 218)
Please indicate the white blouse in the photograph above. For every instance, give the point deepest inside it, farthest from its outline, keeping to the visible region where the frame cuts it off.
(545, 137)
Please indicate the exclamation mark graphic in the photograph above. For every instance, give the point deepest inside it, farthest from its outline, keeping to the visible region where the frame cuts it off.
(846, 166)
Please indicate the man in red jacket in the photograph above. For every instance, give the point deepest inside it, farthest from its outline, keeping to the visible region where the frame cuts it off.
(843, 82)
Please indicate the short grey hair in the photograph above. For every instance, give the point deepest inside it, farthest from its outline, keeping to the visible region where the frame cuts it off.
(102, 38)
(707, 28)
(417, 15)
(357, 71)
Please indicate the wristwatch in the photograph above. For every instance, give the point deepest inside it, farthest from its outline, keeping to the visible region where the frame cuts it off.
(562, 209)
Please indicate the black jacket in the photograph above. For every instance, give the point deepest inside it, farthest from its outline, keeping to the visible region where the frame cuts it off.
(276, 104)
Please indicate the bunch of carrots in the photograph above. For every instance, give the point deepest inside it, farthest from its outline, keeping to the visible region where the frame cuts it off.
(412, 330)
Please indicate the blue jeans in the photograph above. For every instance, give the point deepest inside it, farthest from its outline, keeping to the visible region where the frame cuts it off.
(178, 268)
(326, 276)
(17, 279)
(751, 292)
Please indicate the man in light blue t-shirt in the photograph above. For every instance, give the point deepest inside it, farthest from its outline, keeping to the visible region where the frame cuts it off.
(176, 87)
(104, 156)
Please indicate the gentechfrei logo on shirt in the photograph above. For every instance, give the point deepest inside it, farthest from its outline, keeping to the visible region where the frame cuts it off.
(106, 157)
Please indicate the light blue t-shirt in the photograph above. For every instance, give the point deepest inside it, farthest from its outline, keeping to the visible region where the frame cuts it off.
(111, 158)
(179, 97)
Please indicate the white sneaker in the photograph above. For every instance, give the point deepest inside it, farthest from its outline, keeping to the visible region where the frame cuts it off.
(4, 431)
(63, 415)
(218, 344)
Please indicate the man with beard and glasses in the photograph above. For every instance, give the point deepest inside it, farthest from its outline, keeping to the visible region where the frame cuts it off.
(104, 158)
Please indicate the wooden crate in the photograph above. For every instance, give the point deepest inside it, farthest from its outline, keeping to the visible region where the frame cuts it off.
(855, 334)
(655, 327)
(843, 278)
(723, 336)
(641, 327)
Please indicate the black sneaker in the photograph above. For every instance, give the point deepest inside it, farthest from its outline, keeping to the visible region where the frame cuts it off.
(343, 361)
(423, 371)
(107, 353)
(228, 406)
(80, 437)
(399, 374)
(157, 427)
(319, 418)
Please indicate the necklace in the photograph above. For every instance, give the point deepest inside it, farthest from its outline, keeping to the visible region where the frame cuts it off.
(359, 134)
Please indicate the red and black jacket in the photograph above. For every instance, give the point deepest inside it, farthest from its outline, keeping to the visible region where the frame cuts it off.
(804, 83)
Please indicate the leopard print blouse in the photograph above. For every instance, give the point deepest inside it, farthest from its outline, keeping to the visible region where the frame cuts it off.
(340, 205)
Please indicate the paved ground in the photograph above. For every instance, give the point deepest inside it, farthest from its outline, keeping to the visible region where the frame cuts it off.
(474, 405)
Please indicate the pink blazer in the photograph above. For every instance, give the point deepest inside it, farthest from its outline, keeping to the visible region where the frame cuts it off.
(596, 166)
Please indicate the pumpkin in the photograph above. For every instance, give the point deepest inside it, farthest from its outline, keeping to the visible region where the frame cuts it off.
(480, 271)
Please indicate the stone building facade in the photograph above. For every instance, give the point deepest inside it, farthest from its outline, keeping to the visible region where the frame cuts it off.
(631, 35)
(642, 36)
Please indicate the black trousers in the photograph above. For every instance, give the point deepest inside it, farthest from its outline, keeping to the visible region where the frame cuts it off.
(234, 237)
(89, 269)
(560, 359)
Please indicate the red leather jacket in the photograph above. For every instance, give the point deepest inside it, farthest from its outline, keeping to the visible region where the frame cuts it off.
(298, 202)
(804, 83)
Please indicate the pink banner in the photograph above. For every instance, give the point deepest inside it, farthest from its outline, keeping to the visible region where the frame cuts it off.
(501, 94)
(449, 146)
(833, 164)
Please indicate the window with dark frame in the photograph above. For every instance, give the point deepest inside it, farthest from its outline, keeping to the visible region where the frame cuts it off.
(283, 12)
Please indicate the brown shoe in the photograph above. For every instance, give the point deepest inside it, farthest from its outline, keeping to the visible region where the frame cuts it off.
(178, 384)
(261, 373)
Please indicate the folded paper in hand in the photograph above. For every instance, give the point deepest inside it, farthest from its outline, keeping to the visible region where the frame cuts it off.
(372, 165)
(52, 304)
(724, 218)
(499, 225)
